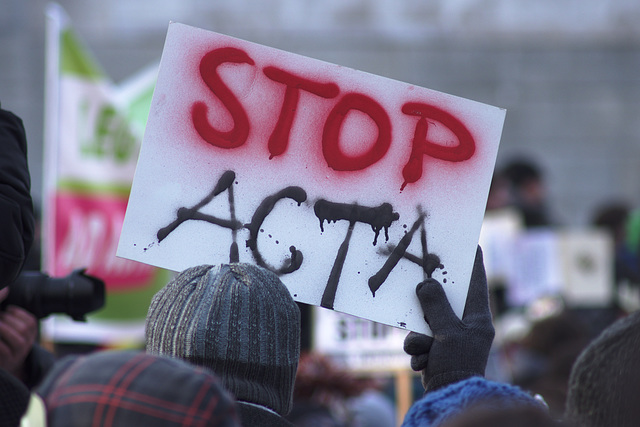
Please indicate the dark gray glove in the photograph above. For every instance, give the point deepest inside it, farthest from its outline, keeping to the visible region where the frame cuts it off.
(459, 349)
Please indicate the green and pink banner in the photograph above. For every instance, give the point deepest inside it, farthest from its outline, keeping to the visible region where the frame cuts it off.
(93, 130)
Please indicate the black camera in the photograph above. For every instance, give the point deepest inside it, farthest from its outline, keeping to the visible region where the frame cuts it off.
(75, 294)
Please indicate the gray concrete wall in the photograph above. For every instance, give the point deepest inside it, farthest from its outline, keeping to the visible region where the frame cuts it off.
(567, 71)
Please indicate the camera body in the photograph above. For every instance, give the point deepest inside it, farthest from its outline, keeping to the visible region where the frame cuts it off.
(75, 294)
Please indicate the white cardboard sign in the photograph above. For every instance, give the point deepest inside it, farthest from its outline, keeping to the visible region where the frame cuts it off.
(576, 264)
(341, 181)
(587, 262)
(359, 344)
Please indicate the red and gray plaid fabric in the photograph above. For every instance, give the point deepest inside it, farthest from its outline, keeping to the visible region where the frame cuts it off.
(125, 388)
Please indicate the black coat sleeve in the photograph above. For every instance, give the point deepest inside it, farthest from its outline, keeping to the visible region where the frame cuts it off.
(38, 363)
(16, 207)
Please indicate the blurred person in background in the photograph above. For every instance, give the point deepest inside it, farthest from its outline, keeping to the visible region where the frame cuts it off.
(618, 218)
(543, 359)
(327, 395)
(528, 192)
(499, 193)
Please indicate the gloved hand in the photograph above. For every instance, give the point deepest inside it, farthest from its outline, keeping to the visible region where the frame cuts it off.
(459, 348)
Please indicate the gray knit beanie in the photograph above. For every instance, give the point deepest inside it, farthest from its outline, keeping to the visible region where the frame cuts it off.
(240, 321)
(605, 379)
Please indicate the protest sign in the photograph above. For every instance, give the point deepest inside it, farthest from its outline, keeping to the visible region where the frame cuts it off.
(575, 264)
(500, 230)
(536, 268)
(93, 130)
(587, 258)
(351, 186)
(359, 344)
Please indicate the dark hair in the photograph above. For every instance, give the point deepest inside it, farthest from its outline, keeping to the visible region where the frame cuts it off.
(488, 415)
(612, 217)
(519, 172)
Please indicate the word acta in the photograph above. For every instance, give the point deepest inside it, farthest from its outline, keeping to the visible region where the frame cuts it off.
(378, 218)
(333, 154)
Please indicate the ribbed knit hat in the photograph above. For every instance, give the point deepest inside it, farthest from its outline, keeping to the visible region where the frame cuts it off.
(438, 406)
(605, 379)
(240, 321)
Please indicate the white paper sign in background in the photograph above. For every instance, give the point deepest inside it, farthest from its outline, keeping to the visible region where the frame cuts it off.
(343, 182)
(357, 343)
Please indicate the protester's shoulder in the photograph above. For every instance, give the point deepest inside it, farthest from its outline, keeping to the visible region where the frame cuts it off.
(12, 136)
(10, 120)
(441, 404)
(6, 115)
(255, 416)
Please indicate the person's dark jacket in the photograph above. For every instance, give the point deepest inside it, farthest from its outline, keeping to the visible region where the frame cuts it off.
(14, 399)
(38, 363)
(16, 207)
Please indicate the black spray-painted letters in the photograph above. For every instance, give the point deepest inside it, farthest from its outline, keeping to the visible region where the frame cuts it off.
(377, 217)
